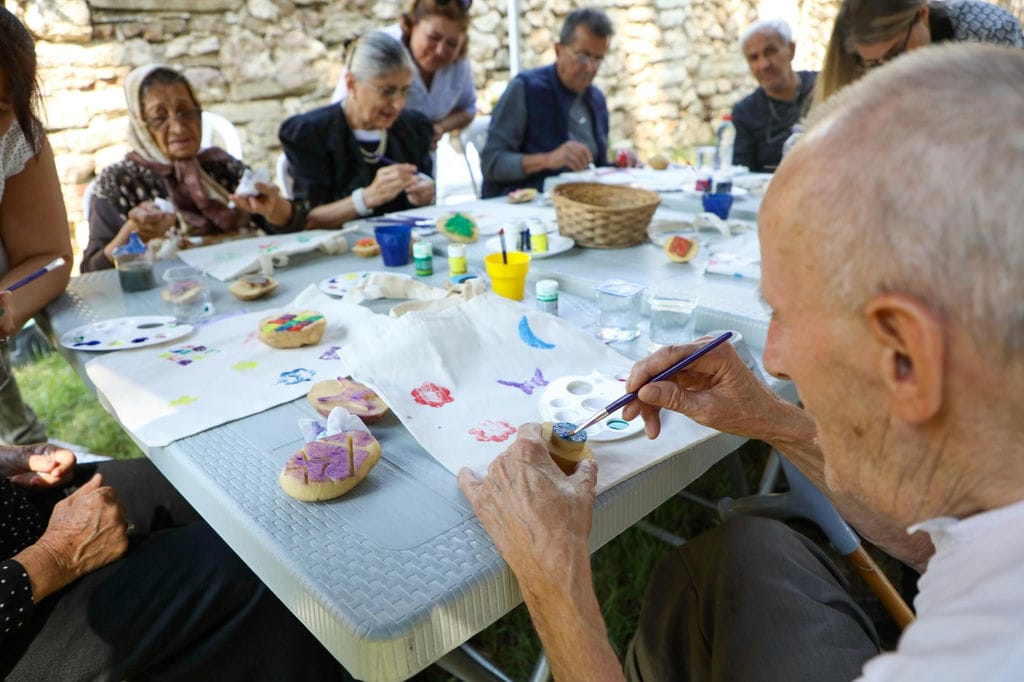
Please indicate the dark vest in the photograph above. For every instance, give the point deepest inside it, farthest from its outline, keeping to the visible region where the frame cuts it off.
(547, 124)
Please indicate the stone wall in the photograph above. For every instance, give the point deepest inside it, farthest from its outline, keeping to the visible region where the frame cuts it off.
(673, 70)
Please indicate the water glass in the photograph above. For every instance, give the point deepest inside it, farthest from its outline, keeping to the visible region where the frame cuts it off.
(671, 312)
(618, 310)
(187, 290)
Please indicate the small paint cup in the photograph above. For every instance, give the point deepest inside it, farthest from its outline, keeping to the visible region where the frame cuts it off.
(508, 279)
(187, 290)
(719, 204)
(394, 243)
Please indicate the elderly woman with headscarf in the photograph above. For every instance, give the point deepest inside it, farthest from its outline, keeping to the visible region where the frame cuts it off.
(165, 131)
(365, 156)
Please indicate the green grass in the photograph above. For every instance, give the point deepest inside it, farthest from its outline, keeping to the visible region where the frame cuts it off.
(70, 410)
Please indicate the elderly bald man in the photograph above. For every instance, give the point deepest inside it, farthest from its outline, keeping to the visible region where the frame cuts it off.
(765, 118)
(897, 313)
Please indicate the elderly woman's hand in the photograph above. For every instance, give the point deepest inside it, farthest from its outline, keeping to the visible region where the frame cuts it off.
(268, 203)
(389, 182)
(150, 221)
(86, 531)
(41, 465)
(422, 194)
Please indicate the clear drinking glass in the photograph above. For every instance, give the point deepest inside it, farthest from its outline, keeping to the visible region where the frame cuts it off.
(618, 306)
(671, 313)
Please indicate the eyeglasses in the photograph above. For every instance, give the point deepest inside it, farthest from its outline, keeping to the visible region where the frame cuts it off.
(584, 59)
(186, 117)
(390, 92)
(894, 51)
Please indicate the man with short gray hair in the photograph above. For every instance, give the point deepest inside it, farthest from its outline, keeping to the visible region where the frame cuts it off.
(552, 119)
(897, 313)
(764, 119)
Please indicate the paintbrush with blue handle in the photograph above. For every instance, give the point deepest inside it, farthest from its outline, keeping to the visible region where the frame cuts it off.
(630, 397)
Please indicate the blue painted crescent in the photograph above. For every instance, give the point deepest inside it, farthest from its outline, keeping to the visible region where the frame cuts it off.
(529, 338)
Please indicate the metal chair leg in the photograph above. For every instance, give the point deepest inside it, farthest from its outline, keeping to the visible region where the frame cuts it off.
(541, 671)
(467, 664)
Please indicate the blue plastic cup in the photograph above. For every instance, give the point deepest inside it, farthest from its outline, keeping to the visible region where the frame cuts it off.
(394, 243)
(719, 204)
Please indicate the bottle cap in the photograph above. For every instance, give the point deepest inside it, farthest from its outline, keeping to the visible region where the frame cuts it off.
(456, 250)
(547, 288)
(422, 250)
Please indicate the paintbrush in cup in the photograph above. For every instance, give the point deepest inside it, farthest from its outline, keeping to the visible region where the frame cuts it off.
(504, 251)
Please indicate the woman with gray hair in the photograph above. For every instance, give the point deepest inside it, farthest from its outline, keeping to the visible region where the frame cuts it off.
(365, 155)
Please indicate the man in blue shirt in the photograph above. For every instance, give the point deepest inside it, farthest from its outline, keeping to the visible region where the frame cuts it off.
(764, 119)
(552, 119)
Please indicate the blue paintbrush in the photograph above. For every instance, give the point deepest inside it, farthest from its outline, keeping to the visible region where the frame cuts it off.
(52, 265)
(630, 397)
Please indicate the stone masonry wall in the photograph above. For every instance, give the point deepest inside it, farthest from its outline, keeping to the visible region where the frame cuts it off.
(673, 70)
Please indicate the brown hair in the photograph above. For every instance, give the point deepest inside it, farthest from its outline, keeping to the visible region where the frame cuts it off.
(456, 10)
(18, 61)
(859, 22)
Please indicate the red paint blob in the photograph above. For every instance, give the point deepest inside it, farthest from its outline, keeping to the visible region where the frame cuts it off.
(432, 395)
(491, 430)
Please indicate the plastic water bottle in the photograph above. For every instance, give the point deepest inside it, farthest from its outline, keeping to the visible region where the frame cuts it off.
(726, 141)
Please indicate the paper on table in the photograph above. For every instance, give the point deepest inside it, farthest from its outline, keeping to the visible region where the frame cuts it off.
(736, 257)
(224, 372)
(472, 373)
(230, 259)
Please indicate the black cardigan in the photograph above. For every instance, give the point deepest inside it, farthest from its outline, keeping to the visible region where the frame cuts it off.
(326, 162)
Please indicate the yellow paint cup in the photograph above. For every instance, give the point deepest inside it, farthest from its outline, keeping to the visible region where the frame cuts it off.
(508, 279)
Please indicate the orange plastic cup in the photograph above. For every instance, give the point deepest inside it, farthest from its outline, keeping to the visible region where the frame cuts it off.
(508, 279)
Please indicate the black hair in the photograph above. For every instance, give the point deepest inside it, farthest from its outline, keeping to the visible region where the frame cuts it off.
(18, 61)
(594, 20)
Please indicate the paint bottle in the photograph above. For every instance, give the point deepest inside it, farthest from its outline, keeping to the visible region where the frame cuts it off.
(456, 259)
(547, 296)
(539, 238)
(423, 258)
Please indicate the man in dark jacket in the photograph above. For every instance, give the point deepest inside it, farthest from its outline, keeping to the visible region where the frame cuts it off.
(552, 119)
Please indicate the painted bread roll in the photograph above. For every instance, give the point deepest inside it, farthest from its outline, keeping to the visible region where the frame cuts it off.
(251, 287)
(330, 467)
(567, 452)
(366, 247)
(459, 227)
(355, 397)
(291, 330)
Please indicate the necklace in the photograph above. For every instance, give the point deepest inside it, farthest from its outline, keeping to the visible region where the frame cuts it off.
(376, 155)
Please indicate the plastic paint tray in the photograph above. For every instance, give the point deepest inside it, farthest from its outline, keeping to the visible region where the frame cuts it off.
(577, 398)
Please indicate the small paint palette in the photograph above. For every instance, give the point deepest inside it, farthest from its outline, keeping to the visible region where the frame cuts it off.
(122, 333)
(577, 398)
(339, 285)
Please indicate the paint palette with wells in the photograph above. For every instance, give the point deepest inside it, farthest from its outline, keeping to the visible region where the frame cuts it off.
(125, 332)
(577, 398)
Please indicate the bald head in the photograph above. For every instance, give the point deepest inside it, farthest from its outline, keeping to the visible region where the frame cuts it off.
(909, 181)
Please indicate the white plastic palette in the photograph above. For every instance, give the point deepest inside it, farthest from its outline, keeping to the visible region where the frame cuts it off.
(577, 398)
(125, 332)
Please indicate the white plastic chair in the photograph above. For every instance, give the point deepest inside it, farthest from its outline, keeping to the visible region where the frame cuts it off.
(473, 138)
(220, 132)
(284, 176)
(87, 199)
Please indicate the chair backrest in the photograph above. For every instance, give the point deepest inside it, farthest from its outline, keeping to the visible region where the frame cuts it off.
(87, 199)
(473, 138)
(220, 132)
(284, 176)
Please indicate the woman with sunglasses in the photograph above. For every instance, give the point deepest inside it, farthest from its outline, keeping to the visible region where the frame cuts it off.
(165, 162)
(435, 34)
(869, 33)
(367, 155)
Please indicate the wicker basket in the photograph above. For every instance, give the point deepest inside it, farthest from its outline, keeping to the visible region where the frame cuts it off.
(604, 216)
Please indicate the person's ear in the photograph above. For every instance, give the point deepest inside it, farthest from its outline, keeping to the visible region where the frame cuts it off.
(350, 82)
(792, 50)
(911, 363)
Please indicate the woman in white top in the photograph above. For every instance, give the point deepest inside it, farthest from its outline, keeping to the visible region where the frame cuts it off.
(435, 34)
(33, 222)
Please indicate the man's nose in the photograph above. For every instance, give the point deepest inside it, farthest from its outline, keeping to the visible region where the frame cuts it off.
(773, 353)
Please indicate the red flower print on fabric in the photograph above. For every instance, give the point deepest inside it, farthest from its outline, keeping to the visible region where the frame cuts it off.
(491, 430)
(432, 395)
